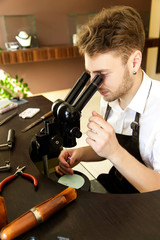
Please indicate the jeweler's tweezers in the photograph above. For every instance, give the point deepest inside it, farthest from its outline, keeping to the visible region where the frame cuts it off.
(8, 118)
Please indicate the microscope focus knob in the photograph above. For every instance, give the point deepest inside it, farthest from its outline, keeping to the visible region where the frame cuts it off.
(56, 142)
(75, 131)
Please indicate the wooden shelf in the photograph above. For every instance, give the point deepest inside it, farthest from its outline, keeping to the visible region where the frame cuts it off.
(38, 54)
(51, 53)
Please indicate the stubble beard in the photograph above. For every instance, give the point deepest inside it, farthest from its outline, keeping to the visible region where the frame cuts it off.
(122, 90)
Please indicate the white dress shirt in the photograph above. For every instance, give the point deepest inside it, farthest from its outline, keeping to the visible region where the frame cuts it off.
(147, 103)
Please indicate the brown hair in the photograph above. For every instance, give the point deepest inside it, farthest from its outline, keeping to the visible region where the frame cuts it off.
(118, 28)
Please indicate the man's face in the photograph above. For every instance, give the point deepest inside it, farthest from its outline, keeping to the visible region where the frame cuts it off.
(118, 82)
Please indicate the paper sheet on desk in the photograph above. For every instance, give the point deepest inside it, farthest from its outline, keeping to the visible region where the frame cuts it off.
(4, 102)
(6, 105)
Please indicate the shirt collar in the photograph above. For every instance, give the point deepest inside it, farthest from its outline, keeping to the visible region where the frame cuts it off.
(139, 100)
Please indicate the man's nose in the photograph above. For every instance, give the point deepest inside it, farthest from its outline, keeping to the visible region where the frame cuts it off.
(92, 76)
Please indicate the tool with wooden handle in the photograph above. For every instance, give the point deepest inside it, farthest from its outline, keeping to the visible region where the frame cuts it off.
(41, 119)
(3, 213)
(38, 214)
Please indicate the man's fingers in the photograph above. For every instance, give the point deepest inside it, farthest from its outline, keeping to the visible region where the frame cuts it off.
(60, 169)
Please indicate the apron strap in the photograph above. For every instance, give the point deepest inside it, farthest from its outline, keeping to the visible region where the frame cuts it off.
(107, 112)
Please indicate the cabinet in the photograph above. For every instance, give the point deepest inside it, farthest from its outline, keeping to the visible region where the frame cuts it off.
(12, 25)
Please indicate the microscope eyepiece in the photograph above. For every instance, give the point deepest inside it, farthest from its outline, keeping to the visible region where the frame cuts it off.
(88, 92)
(77, 88)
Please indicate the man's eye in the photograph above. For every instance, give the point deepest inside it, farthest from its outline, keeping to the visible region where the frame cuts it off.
(104, 75)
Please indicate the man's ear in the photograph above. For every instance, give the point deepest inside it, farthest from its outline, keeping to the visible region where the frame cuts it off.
(135, 61)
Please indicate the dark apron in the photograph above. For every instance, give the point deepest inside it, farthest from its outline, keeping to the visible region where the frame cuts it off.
(114, 182)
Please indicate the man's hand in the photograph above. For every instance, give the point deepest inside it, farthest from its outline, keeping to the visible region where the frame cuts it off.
(102, 137)
(67, 160)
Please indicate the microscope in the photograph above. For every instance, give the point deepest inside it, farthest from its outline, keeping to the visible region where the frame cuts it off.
(64, 127)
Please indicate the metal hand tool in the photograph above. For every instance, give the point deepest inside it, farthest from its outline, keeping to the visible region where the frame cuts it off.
(10, 140)
(5, 167)
(8, 146)
(18, 172)
(8, 118)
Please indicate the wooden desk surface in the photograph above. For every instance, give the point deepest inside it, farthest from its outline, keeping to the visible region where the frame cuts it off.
(92, 216)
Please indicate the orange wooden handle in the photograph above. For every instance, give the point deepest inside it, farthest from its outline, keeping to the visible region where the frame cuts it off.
(3, 213)
(46, 115)
(37, 214)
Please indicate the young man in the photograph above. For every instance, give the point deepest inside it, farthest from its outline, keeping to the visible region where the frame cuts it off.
(128, 135)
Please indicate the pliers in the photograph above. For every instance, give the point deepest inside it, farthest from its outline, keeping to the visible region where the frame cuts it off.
(18, 172)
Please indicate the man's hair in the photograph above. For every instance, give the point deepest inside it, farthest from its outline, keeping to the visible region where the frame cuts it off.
(118, 29)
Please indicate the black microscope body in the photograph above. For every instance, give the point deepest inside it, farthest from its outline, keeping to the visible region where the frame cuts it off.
(64, 127)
